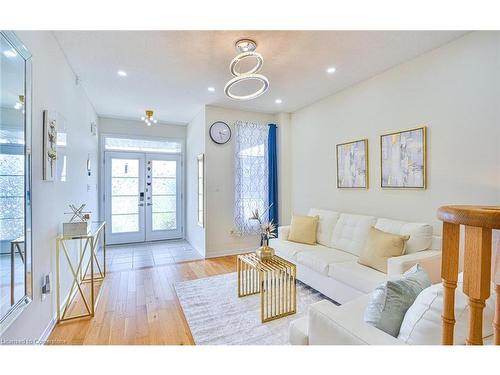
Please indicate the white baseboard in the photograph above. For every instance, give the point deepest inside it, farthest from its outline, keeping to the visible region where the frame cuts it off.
(48, 330)
(222, 253)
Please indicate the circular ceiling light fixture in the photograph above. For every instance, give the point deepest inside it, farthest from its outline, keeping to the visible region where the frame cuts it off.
(246, 49)
(246, 55)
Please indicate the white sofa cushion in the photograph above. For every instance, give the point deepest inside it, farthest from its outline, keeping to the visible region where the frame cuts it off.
(297, 332)
(351, 231)
(420, 233)
(429, 260)
(344, 325)
(422, 324)
(360, 277)
(283, 232)
(289, 249)
(320, 258)
(327, 221)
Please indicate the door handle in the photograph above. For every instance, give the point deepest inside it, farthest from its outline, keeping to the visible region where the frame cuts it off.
(149, 204)
(141, 204)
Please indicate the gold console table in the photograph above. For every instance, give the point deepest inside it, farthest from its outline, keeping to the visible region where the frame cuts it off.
(82, 270)
(274, 279)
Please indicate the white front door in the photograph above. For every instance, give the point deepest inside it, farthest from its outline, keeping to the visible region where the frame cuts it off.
(142, 200)
(163, 197)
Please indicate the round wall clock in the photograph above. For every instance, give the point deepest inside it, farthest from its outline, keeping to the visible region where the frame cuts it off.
(220, 132)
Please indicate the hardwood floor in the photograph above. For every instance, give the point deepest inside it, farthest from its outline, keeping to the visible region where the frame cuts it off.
(139, 306)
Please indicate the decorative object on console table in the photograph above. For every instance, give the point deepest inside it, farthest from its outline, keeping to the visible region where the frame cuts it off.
(274, 279)
(49, 145)
(79, 224)
(352, 164)
(403, 159)
(479, 222)
(267, 231)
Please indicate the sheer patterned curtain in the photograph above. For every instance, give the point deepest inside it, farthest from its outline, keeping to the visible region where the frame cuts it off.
(251, 174)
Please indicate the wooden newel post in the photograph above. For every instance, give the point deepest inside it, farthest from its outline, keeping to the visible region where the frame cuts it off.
(477, 278)
(449, 274)
(479, 222)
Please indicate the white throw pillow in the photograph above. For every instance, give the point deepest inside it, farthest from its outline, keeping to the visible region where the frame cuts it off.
(420, 233)
(422, 324)
(327, 221)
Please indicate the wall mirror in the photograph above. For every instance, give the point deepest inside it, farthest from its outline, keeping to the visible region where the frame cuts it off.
(15, 178)
(201, 190)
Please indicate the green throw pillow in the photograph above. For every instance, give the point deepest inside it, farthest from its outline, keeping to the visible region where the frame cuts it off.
(390, 300)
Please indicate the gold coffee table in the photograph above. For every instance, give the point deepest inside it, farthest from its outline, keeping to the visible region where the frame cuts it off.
(274, 279)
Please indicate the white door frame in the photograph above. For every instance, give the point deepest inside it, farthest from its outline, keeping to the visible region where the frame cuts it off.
(101, 171)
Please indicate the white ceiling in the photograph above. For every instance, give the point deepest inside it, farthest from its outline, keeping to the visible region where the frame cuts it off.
(170, 71)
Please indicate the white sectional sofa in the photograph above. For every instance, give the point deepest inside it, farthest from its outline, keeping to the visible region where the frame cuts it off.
(331, 267)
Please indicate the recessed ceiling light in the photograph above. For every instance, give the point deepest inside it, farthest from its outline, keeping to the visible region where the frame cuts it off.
(10, 53)
(331, 70)
(211, 89)
(278, 101)
(122, 73)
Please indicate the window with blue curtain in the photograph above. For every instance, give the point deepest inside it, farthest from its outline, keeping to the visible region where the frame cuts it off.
(251, 174)
(256, 175)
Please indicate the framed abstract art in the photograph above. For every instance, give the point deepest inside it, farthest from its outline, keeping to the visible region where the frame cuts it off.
(352, 165)
(403, 159)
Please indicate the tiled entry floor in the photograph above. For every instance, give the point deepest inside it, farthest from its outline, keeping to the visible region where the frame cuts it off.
(149, 254)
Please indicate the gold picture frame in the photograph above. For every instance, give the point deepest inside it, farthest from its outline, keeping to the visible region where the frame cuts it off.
(358, 159)
(410, 147)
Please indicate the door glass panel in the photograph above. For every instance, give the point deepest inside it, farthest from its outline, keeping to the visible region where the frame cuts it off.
(164, 168)
(124, 205)
(142, 145)
(164, 221)
(164, 203)
(125, 168)
(164, 185)
(163, 193)
(125, 223)
(124, 195)
(125, 186)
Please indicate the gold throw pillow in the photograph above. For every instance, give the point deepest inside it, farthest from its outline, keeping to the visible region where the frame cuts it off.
(379, 247)
(303, 229)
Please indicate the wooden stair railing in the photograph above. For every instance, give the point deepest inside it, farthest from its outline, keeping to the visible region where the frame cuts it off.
(479, 221)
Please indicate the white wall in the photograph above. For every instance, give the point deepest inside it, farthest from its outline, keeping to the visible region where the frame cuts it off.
(219, 167)
(54, 88)
(139, 128)
(454, 90)
(195, 141)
